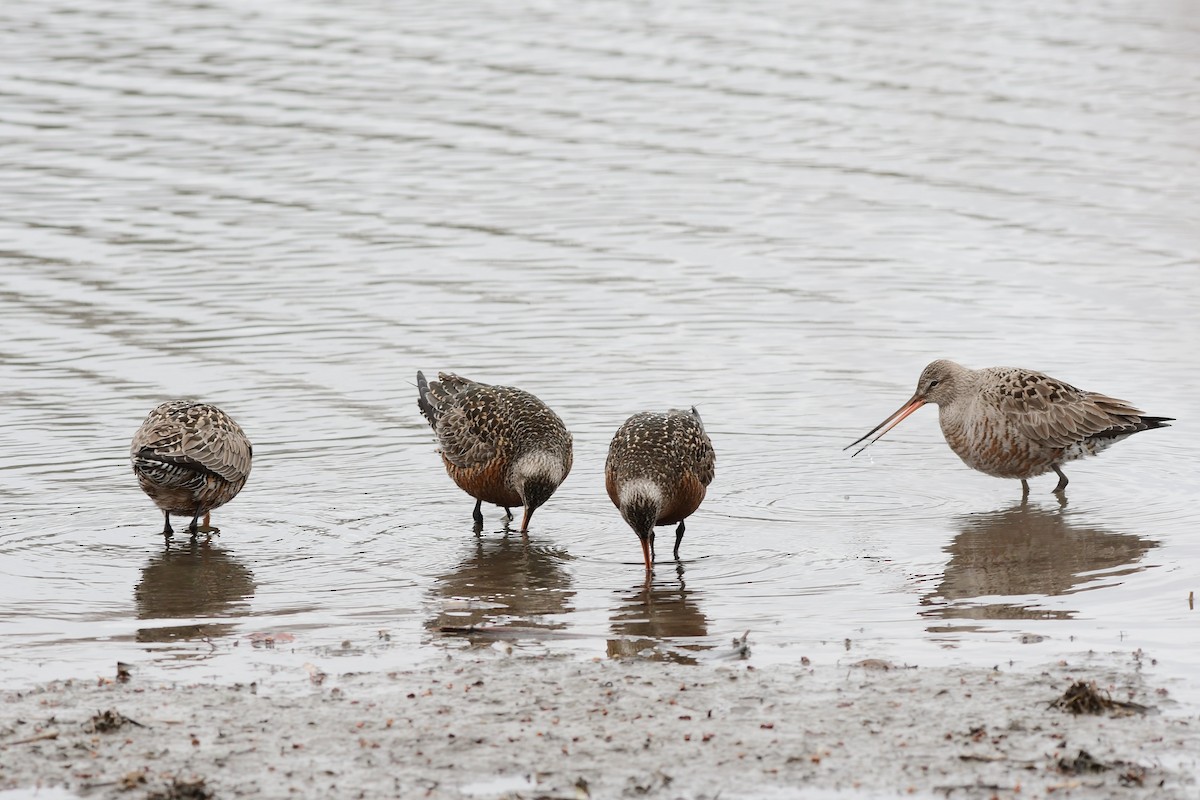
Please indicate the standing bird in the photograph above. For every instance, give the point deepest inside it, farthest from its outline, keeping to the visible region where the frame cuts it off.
(659, 467)
(190, 458)
(1017, 423)
(500, 445)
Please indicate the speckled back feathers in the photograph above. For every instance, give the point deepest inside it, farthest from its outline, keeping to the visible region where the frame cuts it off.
(478, 422)
(672, 451)
(190, 457)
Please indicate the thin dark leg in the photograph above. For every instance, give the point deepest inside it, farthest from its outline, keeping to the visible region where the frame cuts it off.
(477, 515)
(1062, 480)
(653, 557)
(1024, 489)
(678, 538)
(195, 526)
(508, 512)
(167, 530)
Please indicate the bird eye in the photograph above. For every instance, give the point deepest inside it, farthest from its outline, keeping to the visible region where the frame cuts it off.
(933, 383)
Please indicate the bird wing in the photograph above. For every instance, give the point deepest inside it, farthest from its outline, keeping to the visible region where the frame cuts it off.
(703, 457)
(1057, 414)
(706, 459)
(202, 438)
(468, 427)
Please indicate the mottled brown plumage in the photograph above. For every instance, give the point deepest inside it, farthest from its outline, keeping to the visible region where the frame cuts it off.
(499, 444)
(190, 458)
(658, 470)
(1017, 423)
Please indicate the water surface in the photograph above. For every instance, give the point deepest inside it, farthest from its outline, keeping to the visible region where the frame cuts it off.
(778, 214)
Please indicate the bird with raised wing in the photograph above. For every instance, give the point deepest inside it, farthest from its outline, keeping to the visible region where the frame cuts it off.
(499, 444)
(190, 458)
(1018, 423)
(658, 471)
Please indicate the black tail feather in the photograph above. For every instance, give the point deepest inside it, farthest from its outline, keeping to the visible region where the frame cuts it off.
(1135, 425)
(428, 410)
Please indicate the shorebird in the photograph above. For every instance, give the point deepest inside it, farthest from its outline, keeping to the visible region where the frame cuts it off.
(190, 458)
(658, 470)
(500, 445)
(1017, 423)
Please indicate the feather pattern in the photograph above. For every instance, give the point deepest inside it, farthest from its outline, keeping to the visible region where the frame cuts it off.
(190, 457)
(499, 444)
(670, 451)
(1018, 423)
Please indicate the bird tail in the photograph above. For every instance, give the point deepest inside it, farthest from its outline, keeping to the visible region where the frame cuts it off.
(425, 401)
(1150, 423)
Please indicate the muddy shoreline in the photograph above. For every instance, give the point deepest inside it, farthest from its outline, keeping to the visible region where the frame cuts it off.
(520, 727)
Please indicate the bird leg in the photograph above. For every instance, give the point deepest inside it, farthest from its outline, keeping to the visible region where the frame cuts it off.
(1062, 479)
(167, 530)
(652, 556)
(477, 514)
(195, 526)
(678, 538)
(1024, 490)
(207, 526)
(508, 512)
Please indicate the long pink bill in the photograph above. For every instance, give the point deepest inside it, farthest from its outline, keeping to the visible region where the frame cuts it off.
(896, 418)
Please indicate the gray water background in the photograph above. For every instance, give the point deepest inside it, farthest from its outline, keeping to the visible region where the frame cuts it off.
(777, 212)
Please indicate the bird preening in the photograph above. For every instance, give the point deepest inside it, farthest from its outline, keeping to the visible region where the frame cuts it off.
(190, 458)
(1017, 423)
(499, 444)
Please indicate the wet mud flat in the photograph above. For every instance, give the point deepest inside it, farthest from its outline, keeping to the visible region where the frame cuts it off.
(521, 727)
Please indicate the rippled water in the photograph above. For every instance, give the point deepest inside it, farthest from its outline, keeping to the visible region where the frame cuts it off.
(778, 214)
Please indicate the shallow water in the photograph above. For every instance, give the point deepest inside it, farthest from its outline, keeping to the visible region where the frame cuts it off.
(777, 215)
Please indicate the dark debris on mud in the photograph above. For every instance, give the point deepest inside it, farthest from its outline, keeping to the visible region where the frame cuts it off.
(108, 721)
(180, 789)
(1082, 697)
(1084, 763)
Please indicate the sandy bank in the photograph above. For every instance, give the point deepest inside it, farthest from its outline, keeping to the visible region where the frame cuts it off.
(550, 728)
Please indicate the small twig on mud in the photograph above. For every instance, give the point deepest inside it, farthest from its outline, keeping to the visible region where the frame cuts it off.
(38, 737)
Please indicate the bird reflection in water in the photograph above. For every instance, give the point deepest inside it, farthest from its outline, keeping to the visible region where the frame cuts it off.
(1026, 550)
(512, 583)
(189, 580)
(656, 613)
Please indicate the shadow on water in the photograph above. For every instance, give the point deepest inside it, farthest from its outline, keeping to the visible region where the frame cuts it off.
(511, 582)
(189, 580)
(1024, 551)
(655, 613)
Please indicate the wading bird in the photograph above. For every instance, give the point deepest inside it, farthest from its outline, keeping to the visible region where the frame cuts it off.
(190, 458)
(500, 445)
(1017, 423)
(658, 470)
